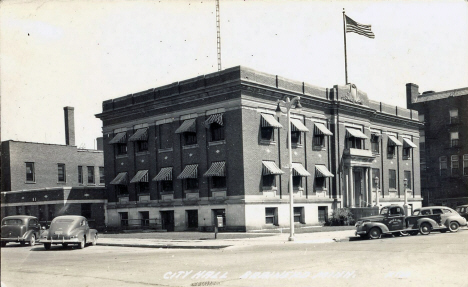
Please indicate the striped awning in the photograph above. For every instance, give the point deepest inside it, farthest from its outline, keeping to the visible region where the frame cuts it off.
(140, 176)
(269, 167)
(164, 174)
(299, 170)
(187, 126)
(216, 169)
(408, 144)
(321, 129)
(121, 178)
(139, 135)
(190, 171)
(119, 138)
(270, 121)
(322, 171)
(392, 141)
(216, 118)
(355, 133)
(297, 125)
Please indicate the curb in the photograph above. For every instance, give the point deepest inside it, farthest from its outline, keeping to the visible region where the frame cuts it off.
(161, 246)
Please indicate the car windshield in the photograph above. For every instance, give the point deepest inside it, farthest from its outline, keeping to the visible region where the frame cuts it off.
(416, 212)
(12, 222)
(384, 211)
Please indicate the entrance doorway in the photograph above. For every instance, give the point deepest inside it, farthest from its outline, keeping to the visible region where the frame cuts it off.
(167, 220)
(357, 175)
(192, 219)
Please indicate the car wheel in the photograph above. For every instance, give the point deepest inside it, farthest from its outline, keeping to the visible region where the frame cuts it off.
(403, 233)
(94, 242)
(413, 233)
(375, 233)
(453, 226)
(4, 244)
(47, 246)
(82, 243)
(32, 241)
(425, 228)
(64, 245)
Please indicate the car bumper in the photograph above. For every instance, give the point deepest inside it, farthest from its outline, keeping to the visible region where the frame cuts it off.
(59, 241)
(13, 239)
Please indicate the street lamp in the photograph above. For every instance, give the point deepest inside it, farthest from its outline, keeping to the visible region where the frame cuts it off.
(405, 183)
(288, 104)
(376, 180)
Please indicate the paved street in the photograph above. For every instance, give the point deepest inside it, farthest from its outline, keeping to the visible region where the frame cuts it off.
(434, 260)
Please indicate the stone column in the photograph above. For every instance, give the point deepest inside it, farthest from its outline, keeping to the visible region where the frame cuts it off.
(369, 190)
(346, 189)
(351, 187)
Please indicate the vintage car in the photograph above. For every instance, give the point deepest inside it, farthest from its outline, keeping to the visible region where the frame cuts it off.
(69, 229)
(463, 211)
(447, 218)
(20, 228)
(393, 220)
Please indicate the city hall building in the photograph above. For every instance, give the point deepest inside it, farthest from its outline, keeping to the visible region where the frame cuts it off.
(183, 154)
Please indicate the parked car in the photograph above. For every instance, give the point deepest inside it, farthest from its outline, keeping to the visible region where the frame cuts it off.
(393, 220)
(20, 228)
(463, 211)
(447, 218)
(69, 229)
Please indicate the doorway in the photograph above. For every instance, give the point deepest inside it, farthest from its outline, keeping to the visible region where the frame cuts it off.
(192, 219)
(357, 175)
(167, 220)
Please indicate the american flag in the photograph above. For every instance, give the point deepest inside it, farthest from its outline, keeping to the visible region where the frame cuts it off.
(361, 29)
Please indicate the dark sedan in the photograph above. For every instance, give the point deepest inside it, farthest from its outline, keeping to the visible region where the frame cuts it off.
(20, 228)
(69, 229)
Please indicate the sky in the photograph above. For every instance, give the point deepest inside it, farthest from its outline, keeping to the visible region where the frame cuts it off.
(79, 53)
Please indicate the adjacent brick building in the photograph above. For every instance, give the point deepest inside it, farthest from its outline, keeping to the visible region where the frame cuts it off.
(47, 180)
(210, 146)
(443, 144)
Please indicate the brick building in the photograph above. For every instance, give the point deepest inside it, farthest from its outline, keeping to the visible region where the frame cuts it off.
(47, 180)
(443, 144)
(210, 146)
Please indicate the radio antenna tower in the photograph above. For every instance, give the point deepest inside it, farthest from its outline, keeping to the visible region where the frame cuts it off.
(218, 34)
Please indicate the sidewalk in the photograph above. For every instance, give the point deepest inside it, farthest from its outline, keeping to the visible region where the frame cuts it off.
(263, 239)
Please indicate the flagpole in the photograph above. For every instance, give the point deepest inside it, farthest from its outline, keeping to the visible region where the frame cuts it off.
(345, 56)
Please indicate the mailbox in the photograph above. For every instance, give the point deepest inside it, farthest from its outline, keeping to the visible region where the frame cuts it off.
(219, 221)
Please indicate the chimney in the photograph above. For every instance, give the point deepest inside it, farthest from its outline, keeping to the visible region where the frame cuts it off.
(100, 143)
(69, 125)
(412, 93)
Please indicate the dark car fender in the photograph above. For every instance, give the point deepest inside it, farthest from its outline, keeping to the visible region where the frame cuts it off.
(28, 234)
(432, 222)
(380, 225)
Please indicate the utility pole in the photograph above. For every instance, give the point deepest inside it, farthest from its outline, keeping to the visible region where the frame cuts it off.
(218, 34)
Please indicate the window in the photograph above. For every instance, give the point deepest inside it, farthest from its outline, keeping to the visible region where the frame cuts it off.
(421, 117)
(86, 210)
(30, 173)
(295, 137)
(217, 132)
(454, 139)
(144, 218)
(299, 214)
(123, 218)
(453, 116)
(267, 133)
(437, 211)
(422, 140)
(465, 164)
(121, 148)
(165, 136)
(190, 138)
(80, 174)
(61, 172)
(407, 174)
(297, 181)
(268, 180)
(191, 183)
(391, 151)
(19, 210)
(167, 185)
(102, 178)
(375, 143)
(121, 190)
(320, 183)
(90, 174)
(323, 214)
(319, 140)
(142, 146)
(218, 181)
(142, 187)
(392, 179)
(376, 178)
(27, 210)
(406, 152)
(454, 165)
(271, 215)
(443, 165)
(353, 142)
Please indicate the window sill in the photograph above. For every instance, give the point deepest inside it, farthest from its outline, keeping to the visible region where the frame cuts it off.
(161, 150)
(267, 142)
(269, 188)
(167, 192)
(122, 195)
(319, 189)
(191, 190)
(61, 182)
(143, 193)
(406, 157)
(190, 146)
(298, 189)
(375, 153)
(219, 189)
(216, 142)
(121, 156)
(295, 145)
(90, 184)
(30, 182)
(392, 190)
(140, 153)
(318, 148)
